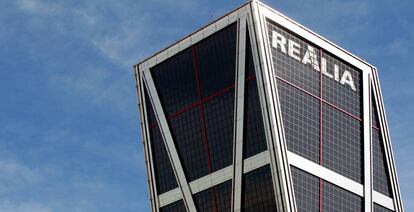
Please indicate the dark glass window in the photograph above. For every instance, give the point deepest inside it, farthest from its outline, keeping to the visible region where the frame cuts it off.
(337, 199)
(379, 208)
(300, 120)
(342, 143)
(164, 175)
(342, 95)
(306, 188)
(216, 60)
(374, 111)
(219, 120)
(188, 133)
(174, 207)
(217, 198)
(254, 134)
(196, 89)
(257, 191)
(175, 83)
(381, 179)
(291, 69)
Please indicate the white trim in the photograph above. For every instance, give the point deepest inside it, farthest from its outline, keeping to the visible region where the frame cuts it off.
(152, 188)
(383, 200)
(366, 99)
(387, 142)
(256, 161)
(215, 178)
(262, 159)
(239, 116)
(282, 180)
(326, 174)
(169, 197)
(337, 179)
(169, 143)
(195, 37)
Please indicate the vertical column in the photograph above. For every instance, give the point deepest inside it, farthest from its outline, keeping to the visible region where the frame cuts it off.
(239, 116)
(282, 181)
(146, 141)
(387, 141)
(366, 100)
(169, 143)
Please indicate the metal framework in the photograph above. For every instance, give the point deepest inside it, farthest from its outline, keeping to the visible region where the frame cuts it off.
(251, 18)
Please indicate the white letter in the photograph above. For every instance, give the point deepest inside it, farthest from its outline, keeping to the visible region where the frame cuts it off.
(311, 57)
(294, 49)
(336, 72)
(279, 40)
(324, 71)
(347, 78)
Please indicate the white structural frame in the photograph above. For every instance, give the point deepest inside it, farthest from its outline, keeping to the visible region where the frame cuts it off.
(253, 16)
(239, 116)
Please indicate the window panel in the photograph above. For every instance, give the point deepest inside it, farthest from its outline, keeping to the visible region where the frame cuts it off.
(174, 207)
(217, 198)
(253, 132)
(342, 143)
(300, 113)
(335, 198)
(379, 208)
(374, 111)
(168, 78)
(216, 60)
(339, 91)
(164, 174)
(381, 178)
(257, 191)
(219, 120)
(187, 134)
(306, 189)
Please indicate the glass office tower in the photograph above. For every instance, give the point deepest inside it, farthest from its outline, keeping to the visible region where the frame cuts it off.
(254, 112)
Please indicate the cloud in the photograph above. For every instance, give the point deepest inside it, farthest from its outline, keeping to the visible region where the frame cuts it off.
(39, 7)
(14, 174)
(7, 206)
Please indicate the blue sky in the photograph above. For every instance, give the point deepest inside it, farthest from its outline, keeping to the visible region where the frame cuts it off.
(69, 136)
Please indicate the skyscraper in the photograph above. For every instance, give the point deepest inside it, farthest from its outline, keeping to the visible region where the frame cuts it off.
(255, 112)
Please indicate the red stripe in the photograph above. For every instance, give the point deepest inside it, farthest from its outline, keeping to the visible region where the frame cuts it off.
(187, 108)
(203, 122)
(196, 71)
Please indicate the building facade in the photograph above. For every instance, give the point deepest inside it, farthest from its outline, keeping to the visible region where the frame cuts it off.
(254, 112)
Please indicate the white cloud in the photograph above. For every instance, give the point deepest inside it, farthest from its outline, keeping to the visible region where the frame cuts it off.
(39, 6)
(13, 173)
(7, 206)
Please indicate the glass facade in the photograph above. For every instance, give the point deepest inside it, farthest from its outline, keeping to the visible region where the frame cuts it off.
(174, 207)
(253, 132)
(217, 198)
(321, 122)
(164, 174)
(257, 190)
(381, 179)
(321, 116)
(196, 89)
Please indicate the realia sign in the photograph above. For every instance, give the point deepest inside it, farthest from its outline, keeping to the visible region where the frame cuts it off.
(292, 48)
